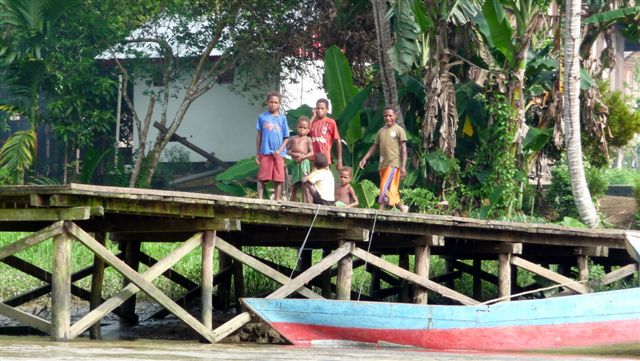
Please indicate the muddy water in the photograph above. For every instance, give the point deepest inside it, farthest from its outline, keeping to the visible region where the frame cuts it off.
(41, 348)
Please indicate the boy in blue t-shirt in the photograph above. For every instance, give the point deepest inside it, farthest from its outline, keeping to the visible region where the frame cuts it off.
(272, 130)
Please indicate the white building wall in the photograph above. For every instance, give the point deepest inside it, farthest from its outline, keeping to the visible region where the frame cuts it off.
(219, 121)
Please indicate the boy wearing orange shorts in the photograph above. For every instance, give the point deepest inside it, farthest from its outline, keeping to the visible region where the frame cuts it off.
(272, 131)
(392, 141)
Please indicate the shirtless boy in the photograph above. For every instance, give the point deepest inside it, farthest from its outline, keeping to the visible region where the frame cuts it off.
(300, 148)
(345, 195)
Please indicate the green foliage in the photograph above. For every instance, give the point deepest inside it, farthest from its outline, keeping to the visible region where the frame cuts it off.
(559, 196)
(623, 121)
(16, 155)
(367, 193)
(624, 176)
(419, 200)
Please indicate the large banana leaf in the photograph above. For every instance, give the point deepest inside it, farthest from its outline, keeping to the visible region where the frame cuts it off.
(611, 16)
(241, 170)
(349, 119)
(338, 79)
(496, 29)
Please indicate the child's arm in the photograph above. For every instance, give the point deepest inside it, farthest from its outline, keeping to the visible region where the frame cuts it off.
(258, 143)
(370, 152)
(309, 153)
(284, 145)
(352, 198)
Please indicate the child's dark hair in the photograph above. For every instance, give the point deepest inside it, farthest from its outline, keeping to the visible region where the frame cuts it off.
(393, 108)
(323, 100)
(349, 170)
(274, 94)
(303, 118)
(320, 161)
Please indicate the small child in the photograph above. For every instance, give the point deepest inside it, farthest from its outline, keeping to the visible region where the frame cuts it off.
(319, 186)
(345, 195)
(300, 148)
(272, 131)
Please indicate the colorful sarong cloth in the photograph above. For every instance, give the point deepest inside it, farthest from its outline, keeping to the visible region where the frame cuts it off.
(300, 170)
(389, 186)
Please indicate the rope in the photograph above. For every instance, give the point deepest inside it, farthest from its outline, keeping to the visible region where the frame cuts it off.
(373, 228)
(304, 242)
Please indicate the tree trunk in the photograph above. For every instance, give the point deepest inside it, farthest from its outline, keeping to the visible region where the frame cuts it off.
(387, 73)
(571, 116)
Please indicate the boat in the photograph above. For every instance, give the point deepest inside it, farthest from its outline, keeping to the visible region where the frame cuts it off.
(610, 318)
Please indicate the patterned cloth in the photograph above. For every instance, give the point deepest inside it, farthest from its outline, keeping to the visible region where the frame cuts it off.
(299, 170)
(389, 186)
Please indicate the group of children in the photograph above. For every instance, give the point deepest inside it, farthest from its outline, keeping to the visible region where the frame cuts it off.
(313, 143)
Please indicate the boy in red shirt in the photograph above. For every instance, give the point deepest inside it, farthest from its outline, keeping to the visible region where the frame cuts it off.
(324, 132)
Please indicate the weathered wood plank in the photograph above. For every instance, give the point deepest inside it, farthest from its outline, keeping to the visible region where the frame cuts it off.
(250, 261)
(548, 274)
(152, 273)
(345, 274)
(504, 275)
(421, 268)
(412, 277)
(139, 281)
(31, 240)
(46, 214)
(206, 296)
(61, 288)
(26, 318)
(97, 279)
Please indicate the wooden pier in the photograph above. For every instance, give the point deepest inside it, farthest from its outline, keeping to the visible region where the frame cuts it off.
(349, 238)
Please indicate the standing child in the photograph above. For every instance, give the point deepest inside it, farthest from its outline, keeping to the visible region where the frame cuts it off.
(324, 132)
(393, 160)
(272, 131)
(319, 185)
(299, 147)
(345, 195)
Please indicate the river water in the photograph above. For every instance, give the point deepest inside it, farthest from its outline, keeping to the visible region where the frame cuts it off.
(42, 348)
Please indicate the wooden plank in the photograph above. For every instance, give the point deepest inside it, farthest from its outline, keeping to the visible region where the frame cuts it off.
(546, 273)
(231, 326)
(61, 288)
(345, 274)
(170, 274)
(583, 268)
(312, 272)
(97, 280)
(26, 318)
(421, 268)
(616, 275)
(250, 261)
(31, 240)
(206, 295)
(632, 244)
(152, 273)
(139, 281)
(412, 277)
(124, 227)
(45, 214)
(504, 275)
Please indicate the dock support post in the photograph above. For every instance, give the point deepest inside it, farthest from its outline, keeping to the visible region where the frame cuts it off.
(421, 268)
(583, 268)
(345, 273)
(326, 277)
(238, 282)
(448, 269)
(403, 262)
(61, 288)
(97, 280)
(375, 279)
(504, 274)
(131, 250)
(206, 293)
(477, 278)
(223, 294)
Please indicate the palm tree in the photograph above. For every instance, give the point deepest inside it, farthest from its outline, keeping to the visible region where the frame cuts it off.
(571, 115)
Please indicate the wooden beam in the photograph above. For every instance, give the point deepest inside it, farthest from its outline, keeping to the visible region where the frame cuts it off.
(26, 318)
(412, 277)
(139, 281)
(312, 272)
(97, 279)
(206, 296)
(546, 273)
(128, 228)
(152, 273)
(31, 240)
(170, 274)
(421, 268)
(250, 261)
(481, 248)
(345, 273)
(504, 275)
(182, 140)
(61, 288)
(49, 214)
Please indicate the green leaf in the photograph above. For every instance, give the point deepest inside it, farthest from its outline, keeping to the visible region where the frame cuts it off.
(536, 139)
(438, 161)
(411, 178)
(367, 193)
(496, 29)
(338, 79)
(586, 81)
(231, 188)
(241, 170)
(349, 119)
(611, 16)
